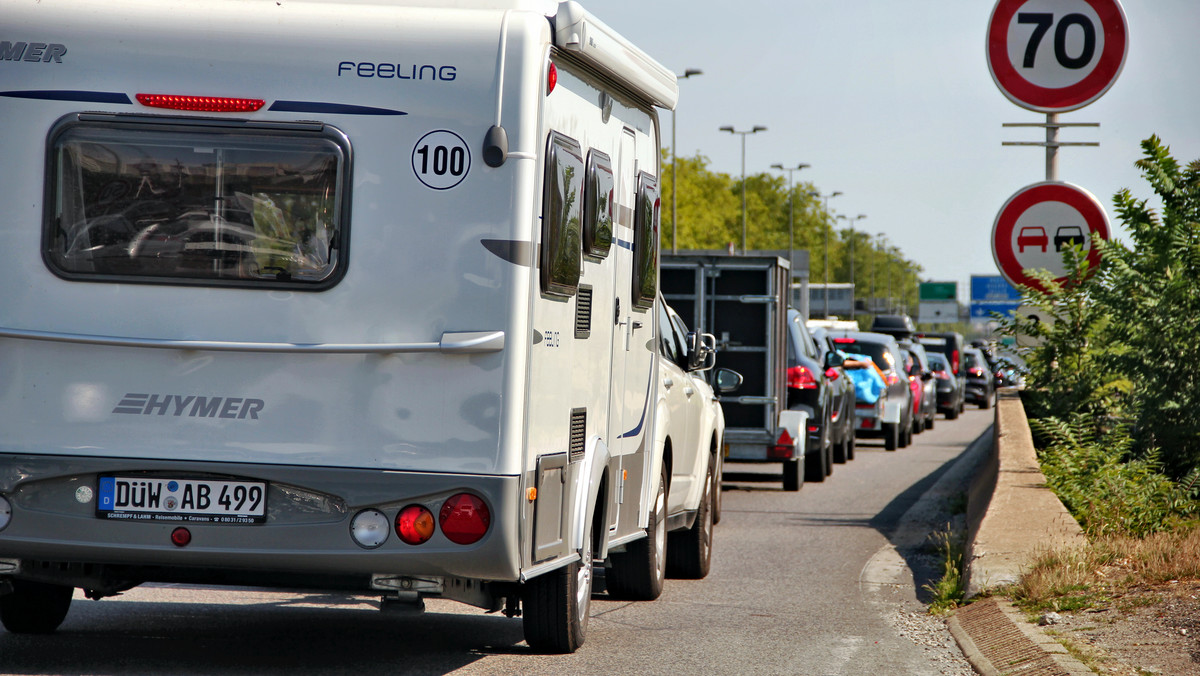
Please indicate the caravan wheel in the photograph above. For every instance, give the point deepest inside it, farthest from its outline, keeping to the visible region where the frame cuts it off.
(637, 573)
(556, 605)
(35, 607)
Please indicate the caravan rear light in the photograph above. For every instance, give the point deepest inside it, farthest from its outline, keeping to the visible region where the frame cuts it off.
(5, 512)
(369, 528)
(415, 524)
(800, 378)
(465, 519)
(208, 104)
(784, 448)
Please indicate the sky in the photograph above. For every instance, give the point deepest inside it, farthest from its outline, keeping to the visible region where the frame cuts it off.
(892, 104)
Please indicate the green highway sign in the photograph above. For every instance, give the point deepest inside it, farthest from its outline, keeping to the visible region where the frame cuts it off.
(938, 291)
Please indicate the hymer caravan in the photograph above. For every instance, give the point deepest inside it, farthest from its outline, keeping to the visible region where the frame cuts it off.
(340, 295)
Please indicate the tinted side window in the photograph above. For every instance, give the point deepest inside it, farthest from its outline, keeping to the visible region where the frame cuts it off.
(562, 239)
(645, 242)
(666, 337)
(598, 205)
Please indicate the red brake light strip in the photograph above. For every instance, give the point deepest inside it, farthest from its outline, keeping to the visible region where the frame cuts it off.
(208, 104)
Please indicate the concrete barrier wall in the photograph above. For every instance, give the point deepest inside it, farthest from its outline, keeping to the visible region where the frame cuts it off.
(1011, 514)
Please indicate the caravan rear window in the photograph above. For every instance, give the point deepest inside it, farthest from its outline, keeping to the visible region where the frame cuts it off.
(194, 203)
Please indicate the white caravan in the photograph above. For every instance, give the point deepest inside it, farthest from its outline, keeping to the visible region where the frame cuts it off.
(339, 295)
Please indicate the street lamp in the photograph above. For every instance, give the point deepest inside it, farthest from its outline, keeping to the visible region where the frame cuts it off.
(754, 130)
(826, 199)
(791, 200)
(675, 184)
(853, 289)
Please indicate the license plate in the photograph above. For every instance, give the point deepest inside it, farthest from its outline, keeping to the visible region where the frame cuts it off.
(184, 500)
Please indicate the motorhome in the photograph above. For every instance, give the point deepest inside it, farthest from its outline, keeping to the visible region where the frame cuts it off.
(350, 296)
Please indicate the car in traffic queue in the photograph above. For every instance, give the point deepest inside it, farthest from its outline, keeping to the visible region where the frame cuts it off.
(920, 377)
(981, 384)
(890, 417)
(812, 387)
(841, 418)
(949, 394)
(692, 425)
(950, 344)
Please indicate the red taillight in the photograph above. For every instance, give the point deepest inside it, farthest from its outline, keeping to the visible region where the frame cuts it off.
(415, 524)
(977, 372)
(891, 378)
(551, 79)
(800, 378)
(844, 341)
(832, 374)
(465, 519)
(208, 104)
(784, 447)
(954, 361)
(941, 375)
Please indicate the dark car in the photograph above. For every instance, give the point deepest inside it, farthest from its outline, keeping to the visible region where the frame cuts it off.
(949, 394)
(890, 417)
(951, 345)
(813, 386)
(899, 327)
(981, 384)
(920, 377)
(843, 415)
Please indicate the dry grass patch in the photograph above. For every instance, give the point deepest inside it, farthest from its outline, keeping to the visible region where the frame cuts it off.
(1093, 575)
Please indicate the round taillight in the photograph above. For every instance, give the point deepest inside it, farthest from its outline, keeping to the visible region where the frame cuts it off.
(464, 519)
(369, 528)
(181, 537)
(5, 512)
(415, 524)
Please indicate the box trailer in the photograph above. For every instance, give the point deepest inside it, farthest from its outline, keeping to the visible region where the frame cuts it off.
(351, 296)
(743, 301)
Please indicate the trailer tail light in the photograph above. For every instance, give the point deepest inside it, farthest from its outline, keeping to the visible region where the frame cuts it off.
(784, 448)
(207, 104)
(800, 378)
(465, 519)
(415, 524)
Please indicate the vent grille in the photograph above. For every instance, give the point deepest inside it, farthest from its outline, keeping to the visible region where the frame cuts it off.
(578, 433)
(583, 312)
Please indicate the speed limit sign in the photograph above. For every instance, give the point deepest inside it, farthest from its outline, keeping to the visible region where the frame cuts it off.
(1056, 55)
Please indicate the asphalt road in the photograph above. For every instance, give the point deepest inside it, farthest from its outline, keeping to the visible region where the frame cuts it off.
(824, 581)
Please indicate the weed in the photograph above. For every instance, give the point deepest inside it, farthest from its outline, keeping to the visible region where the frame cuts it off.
(948, 591)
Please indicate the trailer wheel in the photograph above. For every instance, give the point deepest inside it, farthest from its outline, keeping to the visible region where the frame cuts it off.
(891, 436)
(637, 573)
(689, 554)
(35, 607)
(555, 609)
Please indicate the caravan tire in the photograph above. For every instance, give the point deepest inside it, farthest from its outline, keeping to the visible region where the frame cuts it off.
(555, 609)
(637, 573)
(689, 554)
(891, 436)
(35, 607)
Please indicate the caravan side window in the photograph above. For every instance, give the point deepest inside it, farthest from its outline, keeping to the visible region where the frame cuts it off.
(156, 201)
(598, 205)
(562, 237)
(645, 242)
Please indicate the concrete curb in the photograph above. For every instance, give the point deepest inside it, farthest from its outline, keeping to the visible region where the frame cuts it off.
(1011, 517)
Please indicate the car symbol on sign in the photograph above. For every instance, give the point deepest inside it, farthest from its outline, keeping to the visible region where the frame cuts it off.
(1032, 236)
(1068, 234)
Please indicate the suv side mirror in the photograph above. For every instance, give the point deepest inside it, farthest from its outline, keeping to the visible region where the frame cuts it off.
(834, 359)
(728, 380)
(702, 351)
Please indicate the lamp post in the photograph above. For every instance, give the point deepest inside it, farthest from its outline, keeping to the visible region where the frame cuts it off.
(853, 289)
(791, 201)
(674, 183)
(754, 130)
(825, 199)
